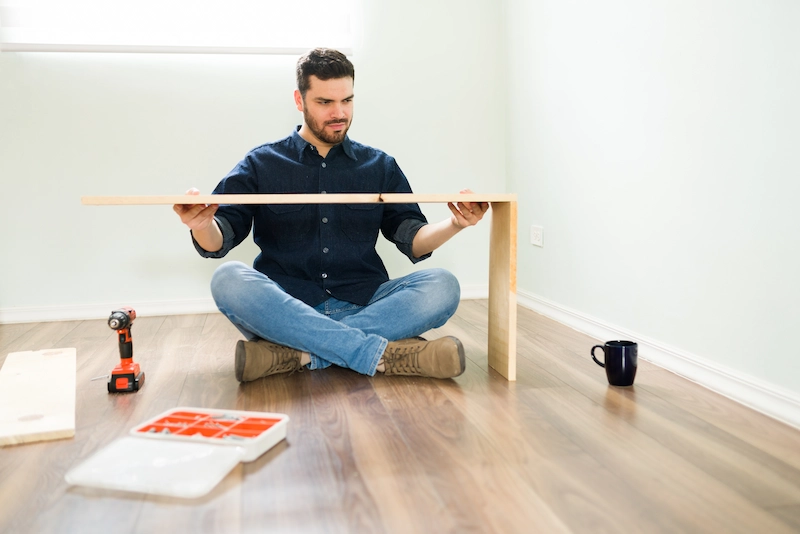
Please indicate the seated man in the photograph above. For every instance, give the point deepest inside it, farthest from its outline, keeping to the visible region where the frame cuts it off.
(318, 293)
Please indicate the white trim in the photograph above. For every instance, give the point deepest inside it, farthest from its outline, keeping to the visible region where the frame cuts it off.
(101, 311)
(474, 292)
(45, 314)
(762, 396)
(143, 49)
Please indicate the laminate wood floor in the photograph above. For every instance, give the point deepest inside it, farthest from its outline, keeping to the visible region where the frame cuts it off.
(556, 451)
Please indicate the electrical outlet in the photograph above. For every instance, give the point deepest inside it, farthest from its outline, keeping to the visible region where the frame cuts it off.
(537, 236)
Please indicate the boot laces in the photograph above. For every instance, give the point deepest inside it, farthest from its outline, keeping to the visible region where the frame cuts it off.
(403, 360)
(286, 359)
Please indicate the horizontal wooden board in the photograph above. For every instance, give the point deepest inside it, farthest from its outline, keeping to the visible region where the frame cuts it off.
(291, 198)
(37, 396)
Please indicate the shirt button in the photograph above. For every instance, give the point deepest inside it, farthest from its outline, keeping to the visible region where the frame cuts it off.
(323, 192)
(324, 164)
(325, 250)
(324, 275)
(325, 220)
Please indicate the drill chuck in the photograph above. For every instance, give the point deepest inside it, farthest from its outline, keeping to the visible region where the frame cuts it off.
(120, 319)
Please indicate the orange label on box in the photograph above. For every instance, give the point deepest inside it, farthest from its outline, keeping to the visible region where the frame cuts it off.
(208, 425)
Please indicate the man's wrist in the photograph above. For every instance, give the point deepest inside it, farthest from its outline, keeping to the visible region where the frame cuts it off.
(209, 238)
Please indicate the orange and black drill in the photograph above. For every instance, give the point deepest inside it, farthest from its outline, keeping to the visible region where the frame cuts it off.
(126, 376)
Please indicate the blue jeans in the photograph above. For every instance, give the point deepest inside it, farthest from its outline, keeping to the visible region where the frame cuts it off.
(335, 332)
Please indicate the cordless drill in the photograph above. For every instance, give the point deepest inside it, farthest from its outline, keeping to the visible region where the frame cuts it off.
(126, 376)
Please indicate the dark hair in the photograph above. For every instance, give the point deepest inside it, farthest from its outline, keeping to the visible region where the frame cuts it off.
(325, 64)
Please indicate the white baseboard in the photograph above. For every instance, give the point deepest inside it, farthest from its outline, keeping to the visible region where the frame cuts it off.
(762, 396)
(755, 393)
(474, 292)
(102, 311)
(82, 312)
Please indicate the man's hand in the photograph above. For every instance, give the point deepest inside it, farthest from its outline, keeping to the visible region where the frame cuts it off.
(432, 236)
(196, 216)
(200, 219)
(467, 213)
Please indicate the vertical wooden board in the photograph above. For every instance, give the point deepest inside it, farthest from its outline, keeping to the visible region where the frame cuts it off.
(503, 290)
(37, 396)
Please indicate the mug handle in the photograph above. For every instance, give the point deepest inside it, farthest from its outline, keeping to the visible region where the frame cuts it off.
(598, 362)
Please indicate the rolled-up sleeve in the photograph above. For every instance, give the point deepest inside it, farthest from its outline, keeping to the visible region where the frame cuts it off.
(404, 238)
(228, 240)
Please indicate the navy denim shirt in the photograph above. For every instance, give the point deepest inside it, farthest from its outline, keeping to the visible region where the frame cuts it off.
(314, 251)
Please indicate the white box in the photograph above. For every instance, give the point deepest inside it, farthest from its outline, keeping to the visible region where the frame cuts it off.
(183, 452)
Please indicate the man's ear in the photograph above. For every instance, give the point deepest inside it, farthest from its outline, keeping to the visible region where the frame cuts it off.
(298, 100)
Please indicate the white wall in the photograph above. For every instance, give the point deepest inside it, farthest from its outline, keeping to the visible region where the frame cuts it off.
(656, 143)
(109, 124)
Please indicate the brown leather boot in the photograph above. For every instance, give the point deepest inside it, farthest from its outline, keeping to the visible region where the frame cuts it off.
(255, 359)
(440, 358)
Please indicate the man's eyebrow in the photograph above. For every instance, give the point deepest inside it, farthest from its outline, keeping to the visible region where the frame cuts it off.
(323, 99)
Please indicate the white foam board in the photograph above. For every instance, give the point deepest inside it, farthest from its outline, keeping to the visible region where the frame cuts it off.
(37, 396)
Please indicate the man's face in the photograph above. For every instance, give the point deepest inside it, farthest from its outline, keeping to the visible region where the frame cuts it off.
(327, 108)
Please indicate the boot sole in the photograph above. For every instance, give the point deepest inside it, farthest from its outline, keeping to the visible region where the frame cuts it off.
(461, 355)
(241, 358)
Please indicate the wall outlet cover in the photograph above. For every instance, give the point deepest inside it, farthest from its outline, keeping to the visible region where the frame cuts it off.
(537, 236)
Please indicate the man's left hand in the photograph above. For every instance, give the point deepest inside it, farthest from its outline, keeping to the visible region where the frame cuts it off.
(467, 213)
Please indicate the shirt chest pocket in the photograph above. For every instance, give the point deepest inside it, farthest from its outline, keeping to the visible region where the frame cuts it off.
(289, 223)
(361, 222)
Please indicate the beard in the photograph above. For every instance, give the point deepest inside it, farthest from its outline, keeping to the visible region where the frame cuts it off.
(333, 138)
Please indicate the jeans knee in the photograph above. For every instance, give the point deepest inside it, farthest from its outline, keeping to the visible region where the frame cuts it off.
(447, 288)
(224, 279)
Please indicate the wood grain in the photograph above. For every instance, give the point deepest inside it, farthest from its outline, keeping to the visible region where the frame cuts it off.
(503, 290)
(296, 198)
(557, 450)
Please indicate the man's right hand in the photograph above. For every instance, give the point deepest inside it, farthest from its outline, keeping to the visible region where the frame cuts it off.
(196, 216)
(200, 219)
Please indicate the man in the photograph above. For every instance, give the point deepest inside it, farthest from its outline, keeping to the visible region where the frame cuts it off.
(318, 293)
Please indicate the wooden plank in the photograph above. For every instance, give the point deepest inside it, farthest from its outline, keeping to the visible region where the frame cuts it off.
(401, 198)
(673, 492)
(503, 290)
(483, 489)
(291, 198)
(37, 396)
(10, 333)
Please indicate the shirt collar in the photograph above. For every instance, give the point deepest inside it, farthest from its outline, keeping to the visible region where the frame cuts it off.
(300, 144)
